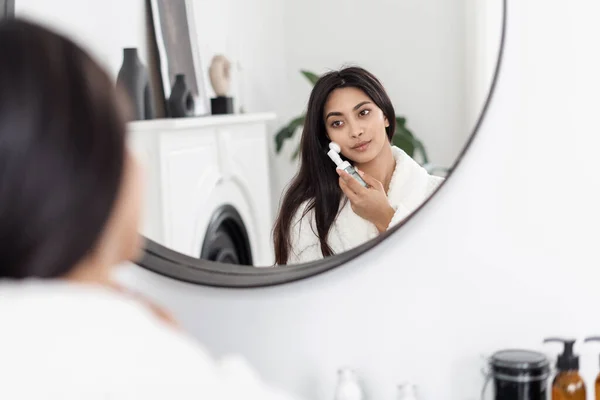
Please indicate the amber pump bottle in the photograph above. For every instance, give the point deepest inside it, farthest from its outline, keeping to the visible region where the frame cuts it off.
(597, 383)
(567, 384)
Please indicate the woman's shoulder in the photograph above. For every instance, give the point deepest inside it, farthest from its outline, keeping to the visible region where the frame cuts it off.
(98, 310)
(411, 182)
(406, 165)
(96, 336)
(72, 325)
(402, 156)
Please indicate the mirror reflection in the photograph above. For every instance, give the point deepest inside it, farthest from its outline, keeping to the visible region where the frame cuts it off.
(353, 181)
(293, 132)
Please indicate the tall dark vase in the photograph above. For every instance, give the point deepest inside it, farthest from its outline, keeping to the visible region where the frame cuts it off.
(181, 101)
(134, 78)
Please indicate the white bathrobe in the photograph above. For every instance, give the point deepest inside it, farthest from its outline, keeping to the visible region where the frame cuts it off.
(410, 186)
(73, 342)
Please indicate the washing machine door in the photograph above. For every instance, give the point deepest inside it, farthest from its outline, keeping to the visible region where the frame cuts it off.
(226, 239)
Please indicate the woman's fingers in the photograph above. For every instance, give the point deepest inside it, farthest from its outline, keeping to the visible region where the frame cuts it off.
(374, 183)
(353, 197)
(352, 183)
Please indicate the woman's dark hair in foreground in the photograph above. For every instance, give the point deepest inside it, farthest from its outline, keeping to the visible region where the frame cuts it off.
(317, 180)
(62, 150)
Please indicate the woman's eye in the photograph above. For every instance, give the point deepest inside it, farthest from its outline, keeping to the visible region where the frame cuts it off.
(336, 124)
(364, 112)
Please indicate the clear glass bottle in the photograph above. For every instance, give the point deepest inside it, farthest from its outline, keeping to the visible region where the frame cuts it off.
(348, 386)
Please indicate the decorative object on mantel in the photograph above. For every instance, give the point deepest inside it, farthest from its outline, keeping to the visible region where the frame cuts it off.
(133, 77)
(181, 101)
(159, 100)
(178, 50)
(220, 79)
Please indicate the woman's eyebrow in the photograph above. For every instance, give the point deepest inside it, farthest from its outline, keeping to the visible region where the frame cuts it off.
(356, 107)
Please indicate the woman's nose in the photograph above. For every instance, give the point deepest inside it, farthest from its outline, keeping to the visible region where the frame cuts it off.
(356, 130)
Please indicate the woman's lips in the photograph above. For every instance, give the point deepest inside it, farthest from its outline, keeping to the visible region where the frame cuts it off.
(362, 147)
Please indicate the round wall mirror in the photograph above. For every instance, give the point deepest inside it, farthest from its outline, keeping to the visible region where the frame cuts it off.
(241, 197)
(283, 142)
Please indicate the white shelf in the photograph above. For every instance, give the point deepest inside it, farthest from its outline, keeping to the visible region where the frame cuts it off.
(170, 124)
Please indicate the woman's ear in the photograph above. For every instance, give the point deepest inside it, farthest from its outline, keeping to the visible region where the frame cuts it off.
(387, 123)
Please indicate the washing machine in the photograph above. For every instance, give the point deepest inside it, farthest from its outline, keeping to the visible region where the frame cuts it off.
(207, 186)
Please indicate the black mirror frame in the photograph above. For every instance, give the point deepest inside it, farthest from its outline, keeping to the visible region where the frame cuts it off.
(169, 263)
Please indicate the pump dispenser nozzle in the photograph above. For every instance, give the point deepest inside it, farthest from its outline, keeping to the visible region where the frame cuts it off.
(567, 361)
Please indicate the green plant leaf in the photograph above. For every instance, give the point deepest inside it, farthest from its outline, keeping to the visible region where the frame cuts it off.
(287, 132)
(311, 76)
(296, 153)
(407, 141)
(404, 142)
(400, 121)
(401, 127)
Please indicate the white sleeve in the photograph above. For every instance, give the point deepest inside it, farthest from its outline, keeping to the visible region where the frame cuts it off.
(116, 348)
(305, 244)
(401, 212)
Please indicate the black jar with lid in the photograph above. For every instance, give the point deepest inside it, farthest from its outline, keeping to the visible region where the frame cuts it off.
(519, 375)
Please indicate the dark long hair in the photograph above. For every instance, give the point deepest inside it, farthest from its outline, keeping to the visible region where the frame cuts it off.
(317, 182)
(62, 150)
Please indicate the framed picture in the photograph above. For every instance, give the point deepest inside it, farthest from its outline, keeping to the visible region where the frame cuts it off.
(177, 48)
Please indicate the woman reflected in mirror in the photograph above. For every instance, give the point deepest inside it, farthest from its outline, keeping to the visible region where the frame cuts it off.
(326, 211)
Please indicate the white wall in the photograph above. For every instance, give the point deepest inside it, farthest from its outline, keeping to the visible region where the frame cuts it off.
(102, 27)
(515, 259)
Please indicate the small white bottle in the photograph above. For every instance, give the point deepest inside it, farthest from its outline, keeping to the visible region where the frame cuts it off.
(348, 387)
(407, 391)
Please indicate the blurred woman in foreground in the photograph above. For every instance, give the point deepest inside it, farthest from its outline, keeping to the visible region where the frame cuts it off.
(69, 210)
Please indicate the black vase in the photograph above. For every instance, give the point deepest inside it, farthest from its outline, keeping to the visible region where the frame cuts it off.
(181, 101)
(134, 78)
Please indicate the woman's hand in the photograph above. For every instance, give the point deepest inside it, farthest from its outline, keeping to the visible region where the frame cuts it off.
(369, 203)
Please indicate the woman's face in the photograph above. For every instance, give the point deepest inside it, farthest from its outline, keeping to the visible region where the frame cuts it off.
(354, 121)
